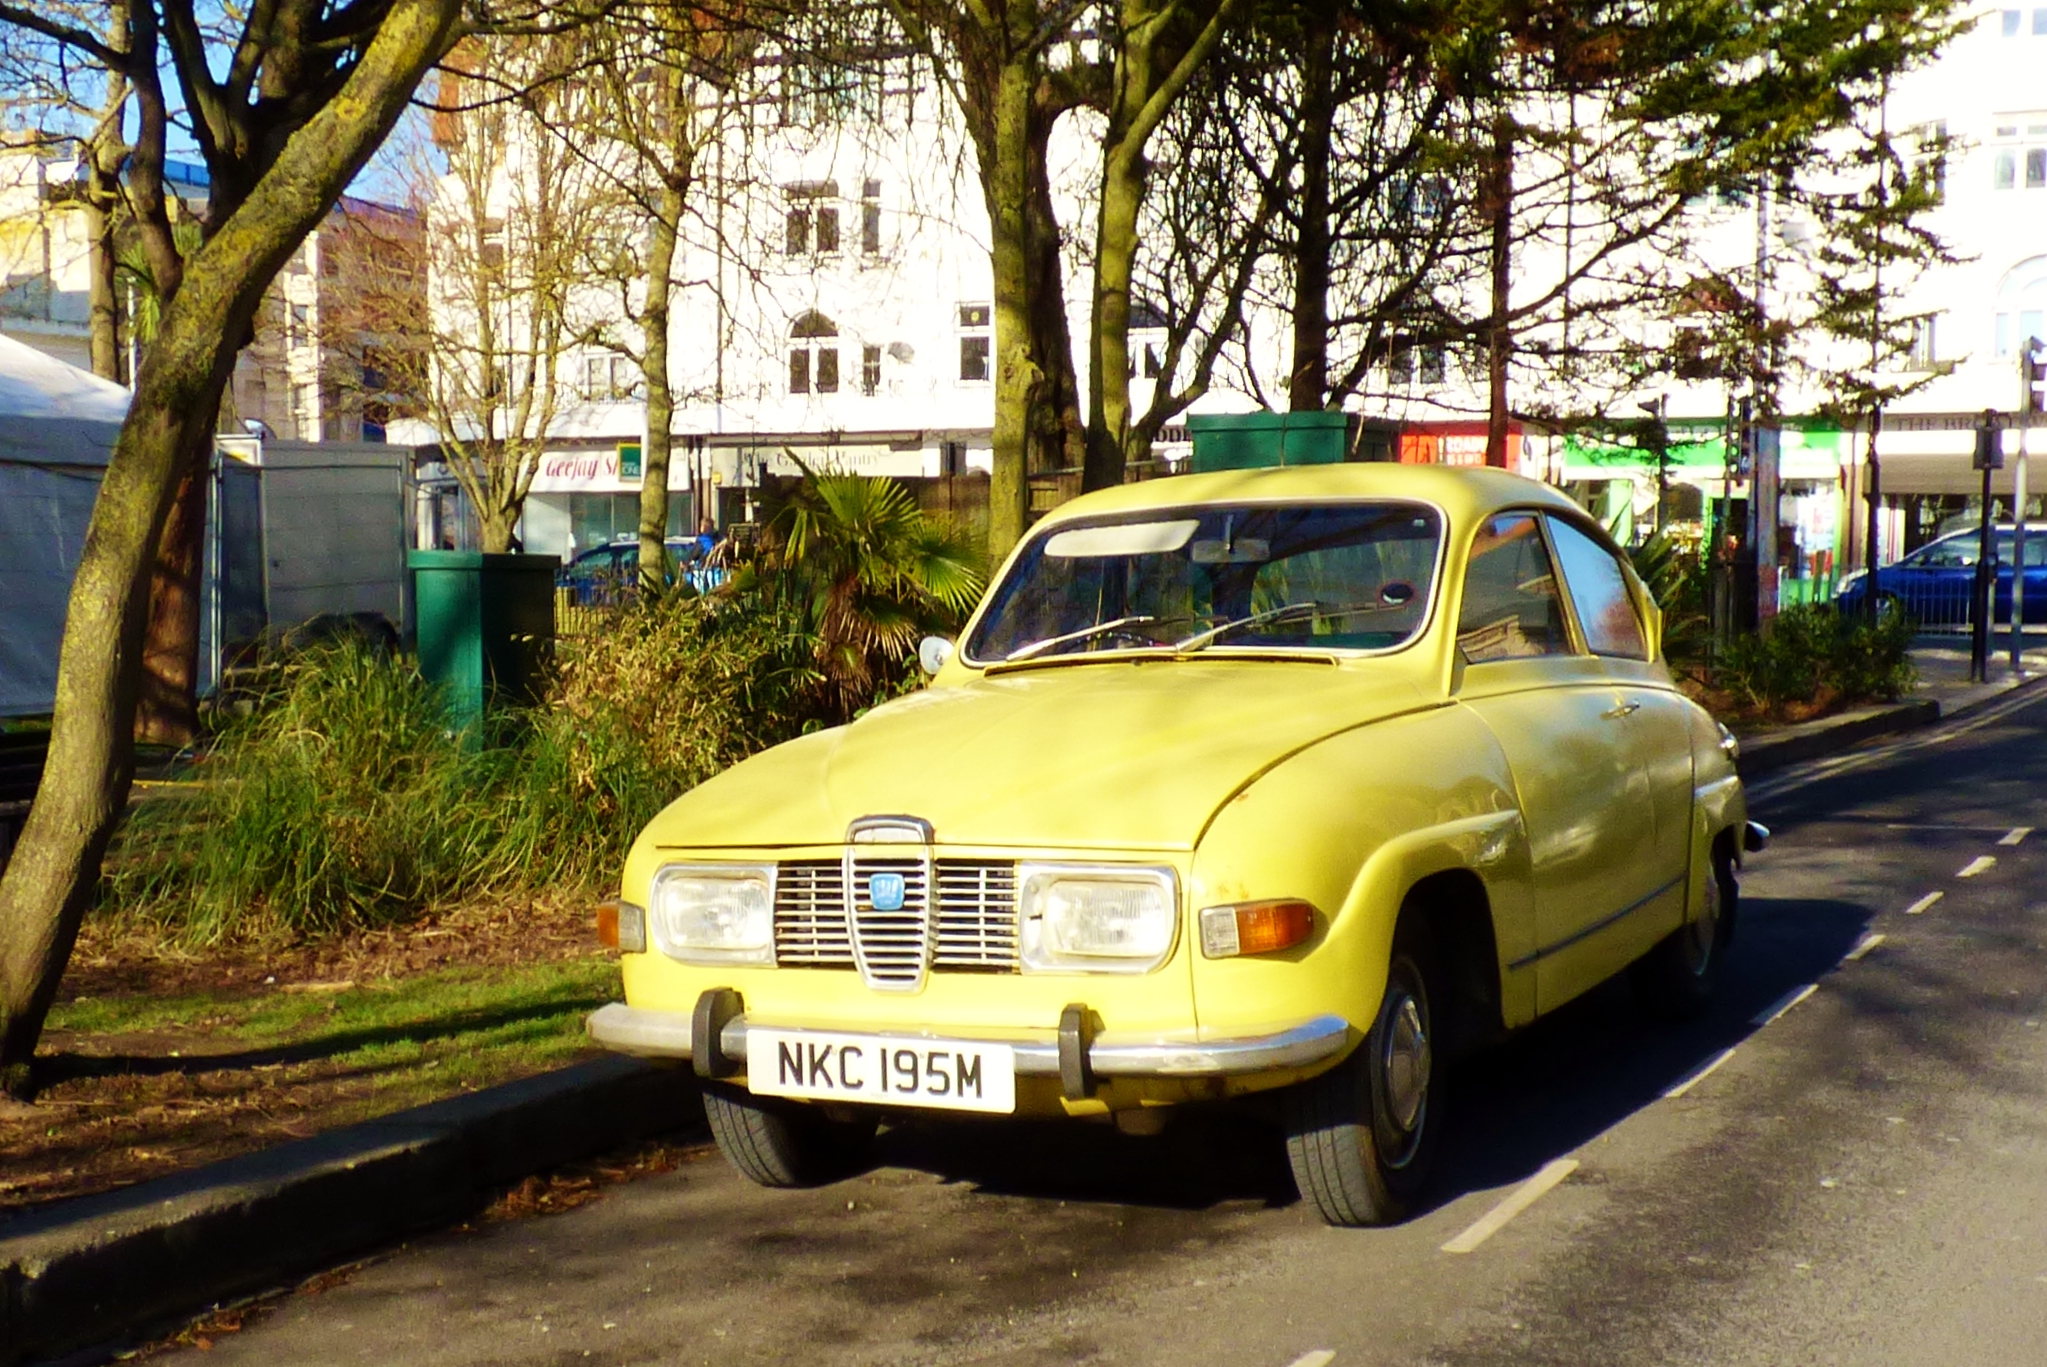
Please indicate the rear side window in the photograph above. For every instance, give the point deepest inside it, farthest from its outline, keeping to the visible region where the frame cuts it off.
(1599, 590)
(1511, 608)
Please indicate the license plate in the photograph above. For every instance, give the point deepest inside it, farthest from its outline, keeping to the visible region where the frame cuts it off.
(949, 1075)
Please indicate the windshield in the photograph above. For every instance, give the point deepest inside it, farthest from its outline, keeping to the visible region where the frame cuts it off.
(1329, 576)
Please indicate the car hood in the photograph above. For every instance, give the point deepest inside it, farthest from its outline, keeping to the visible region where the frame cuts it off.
(1094, 756)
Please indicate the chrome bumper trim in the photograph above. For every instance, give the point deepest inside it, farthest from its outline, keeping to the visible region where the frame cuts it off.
(666, 1034)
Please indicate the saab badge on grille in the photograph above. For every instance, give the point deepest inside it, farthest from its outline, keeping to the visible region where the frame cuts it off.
(885, 891)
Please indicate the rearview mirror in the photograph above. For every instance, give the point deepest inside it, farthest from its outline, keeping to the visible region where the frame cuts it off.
(933, 652)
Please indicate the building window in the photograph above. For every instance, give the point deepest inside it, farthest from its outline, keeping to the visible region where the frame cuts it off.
(2006, 174)
(1432, 365)
(870, 218)
(870, 370)
(2021, 306)
(297, 325)
(1925, 352)
(608, 377)
(811, 224)
(813, 355)
(2039, 22)
(976, 341)
(1929, 166)
(2036, 167)
(2011, 23)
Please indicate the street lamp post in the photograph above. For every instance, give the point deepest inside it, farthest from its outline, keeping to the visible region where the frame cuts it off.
(1989, 457)
(1659, 443)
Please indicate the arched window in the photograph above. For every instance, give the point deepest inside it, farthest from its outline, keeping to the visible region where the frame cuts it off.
(2022, 305)
(813, 354)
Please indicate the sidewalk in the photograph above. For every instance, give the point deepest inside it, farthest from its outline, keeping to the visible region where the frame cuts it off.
(1942, 658)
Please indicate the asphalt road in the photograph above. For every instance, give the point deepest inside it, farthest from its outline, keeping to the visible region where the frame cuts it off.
(1861, 1180)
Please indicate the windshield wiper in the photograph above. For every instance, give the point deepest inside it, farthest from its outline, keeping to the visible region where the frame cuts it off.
(1037, 648)
(1202, 638)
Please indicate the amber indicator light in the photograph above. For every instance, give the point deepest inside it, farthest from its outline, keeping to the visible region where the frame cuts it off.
(1263, 927)
(607, 924)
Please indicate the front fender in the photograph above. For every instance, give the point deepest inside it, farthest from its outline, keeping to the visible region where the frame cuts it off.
(1351, 824)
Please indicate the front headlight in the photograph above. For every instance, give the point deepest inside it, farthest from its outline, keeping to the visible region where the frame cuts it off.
(714, 913)
(1097, 918)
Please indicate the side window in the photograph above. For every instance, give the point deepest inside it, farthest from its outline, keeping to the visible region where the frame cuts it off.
(1511, 605)
(1599, 590)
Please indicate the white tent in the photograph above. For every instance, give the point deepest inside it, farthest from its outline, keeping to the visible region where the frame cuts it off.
(57, 429)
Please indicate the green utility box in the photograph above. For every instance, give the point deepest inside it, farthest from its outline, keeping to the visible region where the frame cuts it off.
(1248, 441)
(485, 625)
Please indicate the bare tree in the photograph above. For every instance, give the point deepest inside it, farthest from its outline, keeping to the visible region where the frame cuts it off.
(515, 225)
(286, 104)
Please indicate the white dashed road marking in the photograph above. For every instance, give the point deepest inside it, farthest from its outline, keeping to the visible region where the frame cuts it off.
(1923, 903)
(2016, 834)
(1697, 1075)
(1520, 1199)
(1982, 863)
(1786, 1002)
(1321, 1357)
(1862, 946)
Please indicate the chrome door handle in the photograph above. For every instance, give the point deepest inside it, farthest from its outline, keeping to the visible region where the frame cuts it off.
(1626, 708)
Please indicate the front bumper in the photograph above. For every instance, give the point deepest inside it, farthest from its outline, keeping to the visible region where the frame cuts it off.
(667, 1034)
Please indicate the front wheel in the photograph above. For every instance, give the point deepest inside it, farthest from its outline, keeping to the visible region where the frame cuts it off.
(779, 1144)
(1363, 1136)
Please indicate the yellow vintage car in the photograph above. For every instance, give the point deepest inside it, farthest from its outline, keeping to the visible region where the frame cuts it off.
(1294, 781)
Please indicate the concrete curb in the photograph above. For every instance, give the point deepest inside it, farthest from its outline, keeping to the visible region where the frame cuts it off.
(1830, 735)
(102, 1269)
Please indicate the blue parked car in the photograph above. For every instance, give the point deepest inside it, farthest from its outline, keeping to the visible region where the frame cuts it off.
(1934, 582)
(602, 574)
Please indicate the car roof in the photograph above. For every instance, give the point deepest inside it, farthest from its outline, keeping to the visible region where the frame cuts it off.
(1464, 493)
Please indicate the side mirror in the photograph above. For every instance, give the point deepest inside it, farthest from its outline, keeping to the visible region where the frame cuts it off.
(933, 652)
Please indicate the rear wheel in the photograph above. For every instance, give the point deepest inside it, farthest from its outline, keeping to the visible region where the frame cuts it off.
(1363, 1136)
(778, 1144)
(1675, 980)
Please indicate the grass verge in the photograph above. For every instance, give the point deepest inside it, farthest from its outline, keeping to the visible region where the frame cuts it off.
(137, 1085)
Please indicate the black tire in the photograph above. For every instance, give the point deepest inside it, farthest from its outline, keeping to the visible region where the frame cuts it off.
(1363, 1136)
(778, 1144)
(1676, 979)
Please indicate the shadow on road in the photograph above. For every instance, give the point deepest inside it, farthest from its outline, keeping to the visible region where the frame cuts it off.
(1540, 1095)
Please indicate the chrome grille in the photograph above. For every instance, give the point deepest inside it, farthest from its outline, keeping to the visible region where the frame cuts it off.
(976, 913)
(893, 948)
(810, 913)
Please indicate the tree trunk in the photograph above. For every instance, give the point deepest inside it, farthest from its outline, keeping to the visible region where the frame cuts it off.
(103, 297)
(1308, 386)
(1499, 334)
(1108, 377)
(1019, 379)
(167, 709)
(660, 395)
(54, 872)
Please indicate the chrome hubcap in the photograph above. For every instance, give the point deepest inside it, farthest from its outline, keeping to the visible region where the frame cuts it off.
(1405, 1062)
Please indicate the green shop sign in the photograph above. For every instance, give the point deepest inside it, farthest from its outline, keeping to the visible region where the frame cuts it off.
(628, 460)
(1702, 446)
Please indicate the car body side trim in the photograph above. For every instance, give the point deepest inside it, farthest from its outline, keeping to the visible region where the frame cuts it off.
(1587, 932)
(666, 1034)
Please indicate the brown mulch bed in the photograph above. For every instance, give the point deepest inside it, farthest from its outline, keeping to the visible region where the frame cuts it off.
(113, 1110)
(122, 963)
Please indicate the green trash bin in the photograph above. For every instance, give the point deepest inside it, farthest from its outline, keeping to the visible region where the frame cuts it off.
(485, 625)
(1248, 441)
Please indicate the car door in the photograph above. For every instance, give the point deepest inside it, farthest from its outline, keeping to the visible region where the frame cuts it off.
(1605, 601)
(1561, 723)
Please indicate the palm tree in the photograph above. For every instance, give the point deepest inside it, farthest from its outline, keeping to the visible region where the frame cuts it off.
(868, 572)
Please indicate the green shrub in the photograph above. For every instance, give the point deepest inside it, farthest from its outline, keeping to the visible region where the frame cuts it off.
(1815, 654)
(346, 798)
